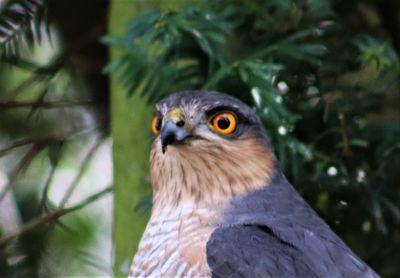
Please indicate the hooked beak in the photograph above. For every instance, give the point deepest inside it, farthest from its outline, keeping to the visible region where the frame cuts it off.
(173, 131)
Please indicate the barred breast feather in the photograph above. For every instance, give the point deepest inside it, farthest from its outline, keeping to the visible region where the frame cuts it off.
(174, 243)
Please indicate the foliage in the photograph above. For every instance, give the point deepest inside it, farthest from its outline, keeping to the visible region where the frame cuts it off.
(315, 83)
(177, 44)
(48, 124)
(21, 23)
(130, 151)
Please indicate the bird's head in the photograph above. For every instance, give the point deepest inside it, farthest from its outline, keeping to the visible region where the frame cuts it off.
(208, 147)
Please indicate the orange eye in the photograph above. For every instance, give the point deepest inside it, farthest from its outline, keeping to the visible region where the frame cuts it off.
(156, 125)
(224, 123)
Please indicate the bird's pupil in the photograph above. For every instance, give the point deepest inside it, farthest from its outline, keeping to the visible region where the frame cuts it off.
(223, 123)
(180, 123)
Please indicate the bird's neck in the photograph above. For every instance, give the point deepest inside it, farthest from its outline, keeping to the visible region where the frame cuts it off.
(206, 176)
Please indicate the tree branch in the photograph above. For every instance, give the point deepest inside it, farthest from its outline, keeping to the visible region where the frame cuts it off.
(22, 163)
(46, 187)
(83, 167)
(347, 154)
(44, 141)
(42, 104)
(37, 145)
(49, 217)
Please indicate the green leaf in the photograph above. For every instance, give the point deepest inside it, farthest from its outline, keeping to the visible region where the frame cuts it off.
(21, 22)
(358, 142)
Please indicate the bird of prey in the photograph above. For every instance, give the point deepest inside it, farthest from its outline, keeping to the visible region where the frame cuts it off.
(221, 205)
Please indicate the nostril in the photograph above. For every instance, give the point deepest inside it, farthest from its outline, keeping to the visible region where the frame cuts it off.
(180, 123)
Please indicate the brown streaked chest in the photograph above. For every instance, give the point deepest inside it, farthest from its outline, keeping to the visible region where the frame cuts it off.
(174, 243)
(204, 171)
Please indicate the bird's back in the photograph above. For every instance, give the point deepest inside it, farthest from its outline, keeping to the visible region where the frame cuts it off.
(293, 241)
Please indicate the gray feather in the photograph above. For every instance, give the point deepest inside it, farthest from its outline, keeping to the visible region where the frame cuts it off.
(274, 233)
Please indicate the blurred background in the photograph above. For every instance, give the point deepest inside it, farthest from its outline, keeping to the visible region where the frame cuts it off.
(78, 81)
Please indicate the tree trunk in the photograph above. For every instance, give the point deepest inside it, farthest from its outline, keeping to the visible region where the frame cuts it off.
(130, 130)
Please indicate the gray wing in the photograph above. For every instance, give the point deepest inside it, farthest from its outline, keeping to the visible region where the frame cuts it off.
(252, 251)
(274, 233)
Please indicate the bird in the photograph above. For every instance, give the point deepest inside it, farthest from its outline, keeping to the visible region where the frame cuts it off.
(222, 206)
